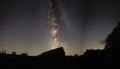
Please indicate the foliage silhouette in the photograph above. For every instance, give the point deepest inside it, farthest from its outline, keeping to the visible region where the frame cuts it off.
(13, 53)
(113, 41)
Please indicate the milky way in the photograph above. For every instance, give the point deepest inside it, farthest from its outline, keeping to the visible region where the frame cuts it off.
(53, 14)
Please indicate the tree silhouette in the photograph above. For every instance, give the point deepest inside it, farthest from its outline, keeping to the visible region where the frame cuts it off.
(3, 52)
(24, 54)
(13, 53)
(113, 40)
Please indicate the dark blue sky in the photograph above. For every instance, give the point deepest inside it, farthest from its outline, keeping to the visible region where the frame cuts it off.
(83, 24)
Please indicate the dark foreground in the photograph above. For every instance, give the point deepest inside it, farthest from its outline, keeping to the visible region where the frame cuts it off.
(56, 62)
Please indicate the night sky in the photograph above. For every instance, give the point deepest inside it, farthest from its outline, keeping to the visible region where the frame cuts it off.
(83, 25)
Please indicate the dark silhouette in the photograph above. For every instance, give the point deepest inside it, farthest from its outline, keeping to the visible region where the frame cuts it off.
(3, 52)
(54, 52)
(24, 54)
(13, 53)
(93, 52)
(113, 41)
